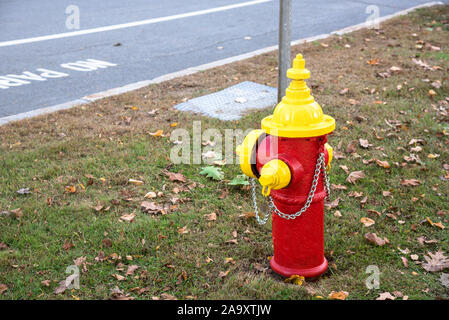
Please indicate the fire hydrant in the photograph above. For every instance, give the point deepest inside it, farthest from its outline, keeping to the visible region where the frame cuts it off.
(290, 158)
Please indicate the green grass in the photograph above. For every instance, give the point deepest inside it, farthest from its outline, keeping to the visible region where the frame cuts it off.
(47, 163)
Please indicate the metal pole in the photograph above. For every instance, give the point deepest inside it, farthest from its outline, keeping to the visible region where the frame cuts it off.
(285, 13)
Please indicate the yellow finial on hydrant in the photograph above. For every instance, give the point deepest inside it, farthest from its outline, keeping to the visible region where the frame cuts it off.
(298, 114)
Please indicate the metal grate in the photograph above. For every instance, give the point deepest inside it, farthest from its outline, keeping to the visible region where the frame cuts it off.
(231, 103)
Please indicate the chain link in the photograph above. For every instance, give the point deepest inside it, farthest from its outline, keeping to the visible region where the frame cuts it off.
(320, 167)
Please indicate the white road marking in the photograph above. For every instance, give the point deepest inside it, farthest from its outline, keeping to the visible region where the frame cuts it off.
(130, 24)
(16, 80)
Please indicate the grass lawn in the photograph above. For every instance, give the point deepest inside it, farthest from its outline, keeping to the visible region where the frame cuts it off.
(388, 86)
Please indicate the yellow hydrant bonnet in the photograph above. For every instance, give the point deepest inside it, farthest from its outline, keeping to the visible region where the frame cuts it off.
(298, 115)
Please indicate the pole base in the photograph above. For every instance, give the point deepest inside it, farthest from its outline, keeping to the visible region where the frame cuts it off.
(306, 273)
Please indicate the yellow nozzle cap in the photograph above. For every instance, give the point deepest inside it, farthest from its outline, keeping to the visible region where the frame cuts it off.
(275, 174)
(298, 114)
(246, 151)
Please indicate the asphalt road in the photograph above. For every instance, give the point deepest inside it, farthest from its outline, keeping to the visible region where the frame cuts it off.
(45, 71)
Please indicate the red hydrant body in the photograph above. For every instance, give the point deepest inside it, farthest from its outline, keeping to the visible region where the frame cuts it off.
(298, 243)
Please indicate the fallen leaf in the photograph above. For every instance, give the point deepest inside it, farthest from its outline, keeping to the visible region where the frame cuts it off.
(444, 279)
(259, 267)
(150, 195)
(435, 262)
(340, 295)
(24, 191)
(135, 182)
(151, 207)
(344, 91)
(45, 283)
(295, 279)
(367, 221)
(67, 245)
(158, 133)
(422, 64)
(212, 172)
(211, 216)
(3, 288)
(223, 274)
(128, 217)
(166, 296)
(383, 164)
(131, 270)
(183, 230)
(354, 176)
(119, 277)
(175, 176)
(333, 204)
(373, 238)
(117, 294)
(386, 296)
(70, 189)
(240, 100)
(404, 261)
(338, 187)
(364, 143)
(344, 168)
(410, 182)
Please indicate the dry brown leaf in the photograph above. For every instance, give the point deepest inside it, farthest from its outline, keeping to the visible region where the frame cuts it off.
(136, 182)
(340, 295)
(364, 143)
(354, 176)
(223, 274)
(410, 182)
(67, 245)
(183, 230)
(295, 279)
(151, 195)
(367, 221)
(175, 176)
(332, 204)
(128, 217)
(211, 216)
(151, 207)
(119, 277)
(45, 283)
(3, 288)
(373, 238)
(166, 296)
(338, 187)
(383, 164)
(157, 133)
(131, 269)
(351, 147)
(70, 189)
(345, 169)
(435, 262)
(386, 296)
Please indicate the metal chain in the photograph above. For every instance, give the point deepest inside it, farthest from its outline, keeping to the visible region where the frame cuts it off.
(263, 220)
(320, 166)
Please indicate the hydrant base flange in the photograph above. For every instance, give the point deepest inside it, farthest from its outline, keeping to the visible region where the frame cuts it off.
(306, 273)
